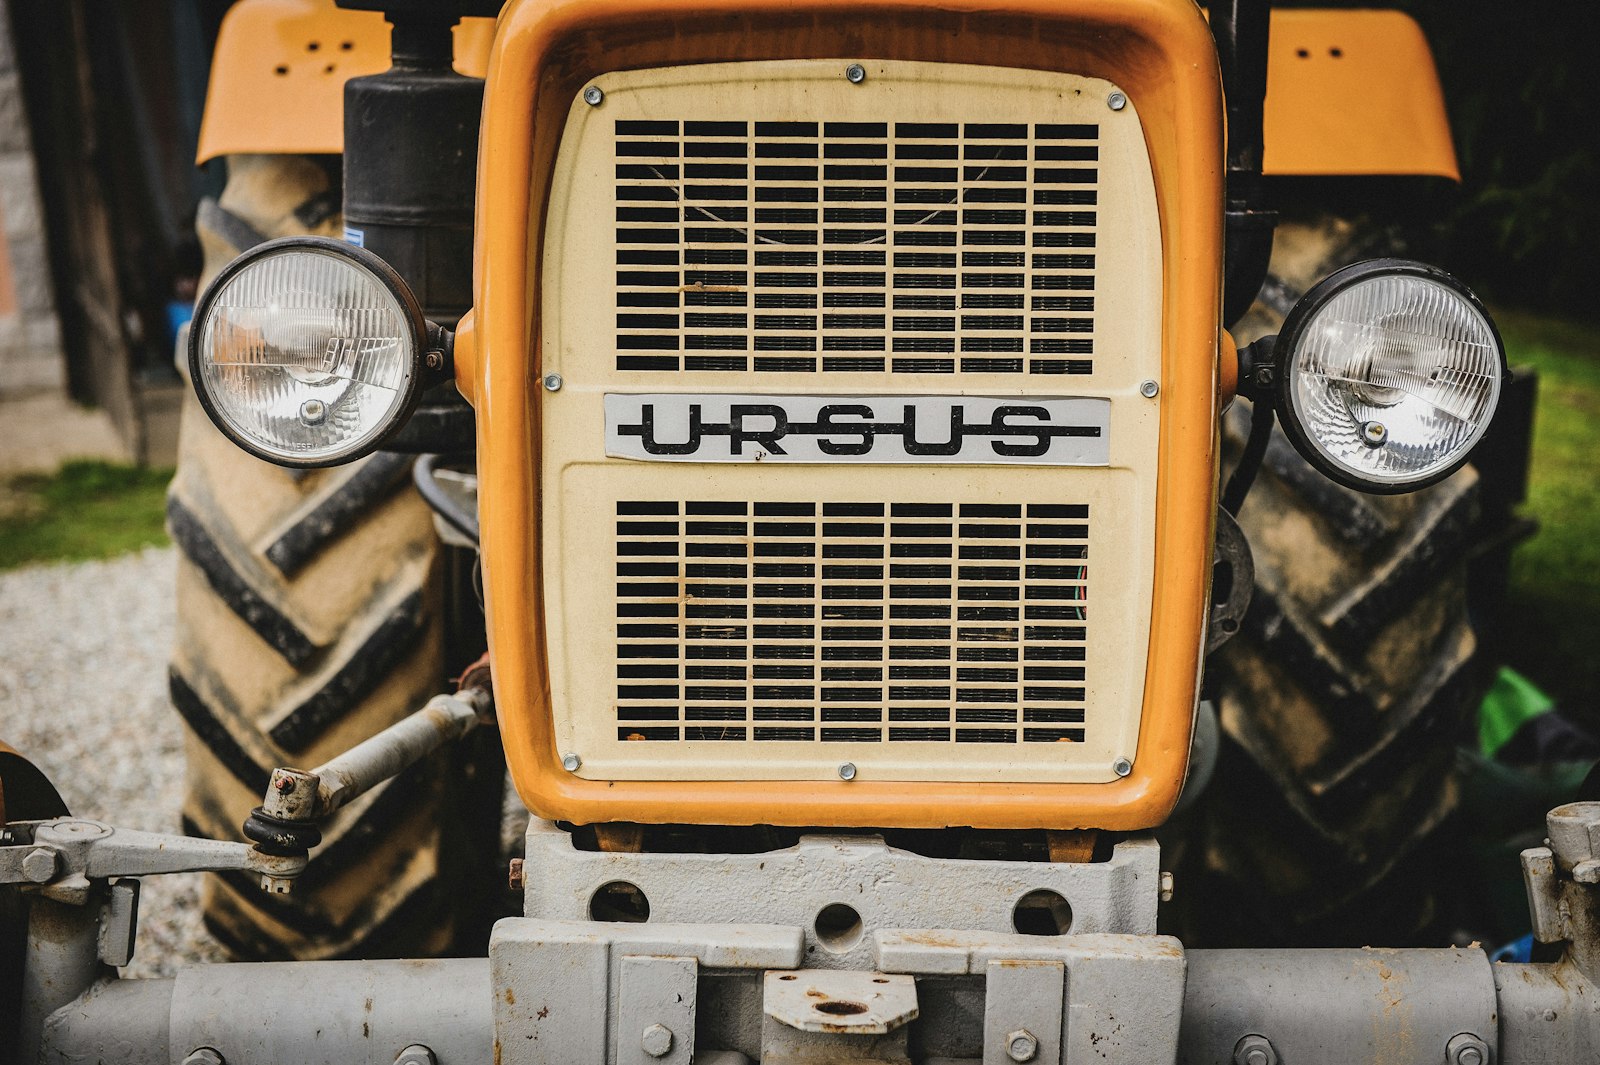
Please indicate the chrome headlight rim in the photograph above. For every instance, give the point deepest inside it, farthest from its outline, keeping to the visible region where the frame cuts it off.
(1304, 313)
(380, 271)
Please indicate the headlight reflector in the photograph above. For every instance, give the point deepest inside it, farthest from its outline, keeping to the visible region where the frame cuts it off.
(1390, 374)
(306, 351)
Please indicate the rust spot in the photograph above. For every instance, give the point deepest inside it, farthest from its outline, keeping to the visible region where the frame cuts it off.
(511, 997)
(544, 1011)
(366, 1030)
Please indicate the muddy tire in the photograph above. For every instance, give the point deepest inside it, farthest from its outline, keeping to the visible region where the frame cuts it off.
(310, 616)
(1344, 695)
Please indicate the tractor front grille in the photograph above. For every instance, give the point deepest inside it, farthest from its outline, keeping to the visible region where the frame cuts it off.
(918, 251)
(856, 246)
(851, 622)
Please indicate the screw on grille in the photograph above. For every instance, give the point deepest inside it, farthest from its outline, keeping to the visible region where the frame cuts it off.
(1122, 767)
(592, 96)
(552, 382)
(855, 73)
(571, 762)
(1149, 389)
(1116, 101)
(847, 771)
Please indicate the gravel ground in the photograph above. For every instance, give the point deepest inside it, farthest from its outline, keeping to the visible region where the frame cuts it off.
(83, 653)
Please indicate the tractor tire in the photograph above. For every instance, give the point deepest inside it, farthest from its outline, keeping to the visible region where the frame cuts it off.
(310, 616)
(1343, 697)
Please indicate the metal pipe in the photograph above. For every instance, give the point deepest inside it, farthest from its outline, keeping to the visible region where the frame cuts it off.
(406, 742)
(125, 1021)
(288, 1013)
(61, 963)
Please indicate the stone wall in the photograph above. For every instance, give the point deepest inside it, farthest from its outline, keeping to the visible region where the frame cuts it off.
(31, 358)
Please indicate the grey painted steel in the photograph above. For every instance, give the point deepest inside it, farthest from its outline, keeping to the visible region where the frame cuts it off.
(1022, 1012)
(88, 851)
(334, 1012)
(119, 923)
(655, 1015)
(839, 1001)
(1124, 994)
(61, 962)
(1568, 903)
(890, 888)
(1548, 1013)
(558, 984)
(296, 795)
(1333, 1007)
(121, 1021)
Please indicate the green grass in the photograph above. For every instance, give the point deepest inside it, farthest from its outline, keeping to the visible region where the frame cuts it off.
(84, 510)
(1555, 577)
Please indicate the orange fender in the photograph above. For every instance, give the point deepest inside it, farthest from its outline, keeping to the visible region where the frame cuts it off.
(278, 74)
(1354, 92)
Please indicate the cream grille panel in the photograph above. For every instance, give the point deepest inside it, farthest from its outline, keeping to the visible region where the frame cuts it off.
(855, 247)
(851, 622)
(962, 664)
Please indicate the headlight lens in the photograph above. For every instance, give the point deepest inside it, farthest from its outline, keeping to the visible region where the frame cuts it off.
(1391, 372)
(306, 351)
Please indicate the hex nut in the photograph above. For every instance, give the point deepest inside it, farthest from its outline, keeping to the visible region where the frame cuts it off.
(1022, 1045)
(1254, 1050)
(40, 865)
(514, 875)
(204, 1056)
(657, 1040)
(1466, 1049)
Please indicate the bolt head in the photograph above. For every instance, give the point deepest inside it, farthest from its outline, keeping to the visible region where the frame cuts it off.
(1466, 1049)
(847, 771)
(1254, 1050)
(592, 96)
(40, 865)
(1116, 101)
(313, 412)
(1374, 434)
(552, 382)
(1022, 1045)
(515, 876)
(1166, 886)
(416, 1054)
(855, 73)
(434, 359)
(571, 762)
(1149, 389)
(1122, 767)
(657, 1040)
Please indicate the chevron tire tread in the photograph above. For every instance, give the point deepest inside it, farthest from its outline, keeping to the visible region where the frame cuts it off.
(1342, 699)
(310, 617)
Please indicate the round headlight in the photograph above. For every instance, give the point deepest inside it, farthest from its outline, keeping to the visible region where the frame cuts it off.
(1390, 372)
(307, 351)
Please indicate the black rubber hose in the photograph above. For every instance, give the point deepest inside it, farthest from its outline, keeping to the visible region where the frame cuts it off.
(1255, 448)
(454, 515)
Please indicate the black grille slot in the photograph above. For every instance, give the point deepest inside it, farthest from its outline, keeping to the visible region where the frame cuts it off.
(905, 622)
(800, 246)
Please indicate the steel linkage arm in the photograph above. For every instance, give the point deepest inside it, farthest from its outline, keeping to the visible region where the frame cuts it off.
(286, 822)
